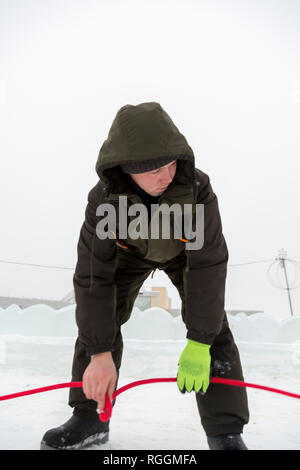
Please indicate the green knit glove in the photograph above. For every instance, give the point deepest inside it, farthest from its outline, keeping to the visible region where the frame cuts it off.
(194, 367)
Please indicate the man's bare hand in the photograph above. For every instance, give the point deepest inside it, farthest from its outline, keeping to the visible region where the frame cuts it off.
(100, 378)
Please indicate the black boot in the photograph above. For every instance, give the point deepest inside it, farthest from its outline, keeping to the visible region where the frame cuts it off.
(76, 433)
(226, 442)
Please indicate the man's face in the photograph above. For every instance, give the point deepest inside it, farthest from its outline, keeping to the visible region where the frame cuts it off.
(155, 182)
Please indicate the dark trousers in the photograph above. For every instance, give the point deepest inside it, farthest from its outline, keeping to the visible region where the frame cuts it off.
(223, 409)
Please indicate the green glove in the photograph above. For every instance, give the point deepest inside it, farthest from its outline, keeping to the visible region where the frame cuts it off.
(194, 367)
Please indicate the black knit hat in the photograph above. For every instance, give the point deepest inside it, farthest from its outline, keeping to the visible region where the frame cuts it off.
(146, 165)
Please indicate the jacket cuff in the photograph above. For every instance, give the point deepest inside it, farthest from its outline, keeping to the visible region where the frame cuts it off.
(91, 350)
(200, 336)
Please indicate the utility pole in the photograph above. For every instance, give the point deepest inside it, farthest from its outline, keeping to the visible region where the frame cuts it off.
(282, 258)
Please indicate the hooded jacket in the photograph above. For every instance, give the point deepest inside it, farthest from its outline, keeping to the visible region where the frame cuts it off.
(142, 133)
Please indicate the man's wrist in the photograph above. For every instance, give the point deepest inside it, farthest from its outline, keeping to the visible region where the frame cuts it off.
(102, 355)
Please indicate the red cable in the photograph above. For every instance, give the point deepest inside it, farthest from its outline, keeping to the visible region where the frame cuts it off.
(106, 414)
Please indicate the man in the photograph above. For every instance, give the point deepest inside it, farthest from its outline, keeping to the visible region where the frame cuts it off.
(148, 160)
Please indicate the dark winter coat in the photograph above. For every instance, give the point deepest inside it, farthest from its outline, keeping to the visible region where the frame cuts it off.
(140, 133)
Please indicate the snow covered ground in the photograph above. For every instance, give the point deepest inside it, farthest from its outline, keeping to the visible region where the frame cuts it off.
(36, 349)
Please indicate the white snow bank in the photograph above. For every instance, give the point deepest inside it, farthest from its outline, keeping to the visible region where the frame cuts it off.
(151, 324)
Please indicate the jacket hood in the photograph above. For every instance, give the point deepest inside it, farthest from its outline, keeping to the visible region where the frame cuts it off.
(142, 132)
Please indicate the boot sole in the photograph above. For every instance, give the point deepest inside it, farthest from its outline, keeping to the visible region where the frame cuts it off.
(100, 438)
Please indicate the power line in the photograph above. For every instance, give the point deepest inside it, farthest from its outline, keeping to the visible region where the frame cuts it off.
(36, 265)
(252, 262)
(293, 260)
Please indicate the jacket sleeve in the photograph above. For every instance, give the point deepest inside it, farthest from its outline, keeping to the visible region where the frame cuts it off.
(93, 282)
(205, 275)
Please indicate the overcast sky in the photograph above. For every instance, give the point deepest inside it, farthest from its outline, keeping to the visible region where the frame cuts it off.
(228, 74)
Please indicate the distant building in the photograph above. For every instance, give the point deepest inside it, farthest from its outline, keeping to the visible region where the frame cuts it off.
(157, 297)
(146, 299)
